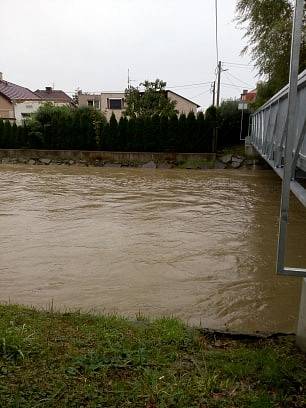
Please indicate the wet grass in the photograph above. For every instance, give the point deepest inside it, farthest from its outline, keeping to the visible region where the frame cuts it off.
(77, 360)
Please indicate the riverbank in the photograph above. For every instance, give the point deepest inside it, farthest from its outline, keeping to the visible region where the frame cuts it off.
(233, 159)
(63, 360)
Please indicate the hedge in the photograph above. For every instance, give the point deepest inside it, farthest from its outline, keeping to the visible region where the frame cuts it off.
(87, 129)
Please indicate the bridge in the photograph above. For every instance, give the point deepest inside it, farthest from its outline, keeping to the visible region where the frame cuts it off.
(278, 134)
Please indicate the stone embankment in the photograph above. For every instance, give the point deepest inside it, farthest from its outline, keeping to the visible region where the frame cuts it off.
(202, 161)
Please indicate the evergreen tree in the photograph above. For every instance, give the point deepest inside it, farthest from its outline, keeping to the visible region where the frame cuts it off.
(173, 133)
(211, 119)
(1, 134)
(164, 122)
(191, 132)
(138, 140)
(202, 145)
(156, 140)
(131, 131)
(122, 134)
(182, 127)
(7, 135)
(113, 133)
(13, 141)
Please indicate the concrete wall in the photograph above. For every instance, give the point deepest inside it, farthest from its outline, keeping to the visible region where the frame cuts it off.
(27, 107)
(104, 106)
(6, 108)
(182, 104)
(92, 156)
(84, 98)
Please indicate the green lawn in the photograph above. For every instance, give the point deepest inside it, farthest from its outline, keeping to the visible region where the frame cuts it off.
(78, 360)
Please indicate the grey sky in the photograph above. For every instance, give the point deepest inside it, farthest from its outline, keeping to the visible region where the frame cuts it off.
(91, 44)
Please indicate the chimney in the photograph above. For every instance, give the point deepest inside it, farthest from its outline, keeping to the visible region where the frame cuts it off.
(1, 76)
(48, 89)
(244, 92)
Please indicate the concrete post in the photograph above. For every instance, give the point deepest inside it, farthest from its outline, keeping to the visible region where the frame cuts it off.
(301, 330)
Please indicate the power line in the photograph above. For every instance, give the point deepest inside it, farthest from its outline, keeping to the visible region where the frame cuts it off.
(239, 64)
(232, 85)
(238, 79)
(238, 86)
(202, 93)
(189, 85)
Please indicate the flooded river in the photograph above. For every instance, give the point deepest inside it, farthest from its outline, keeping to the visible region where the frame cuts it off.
(199, 245)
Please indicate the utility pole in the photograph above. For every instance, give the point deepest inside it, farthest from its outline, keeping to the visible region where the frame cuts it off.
(214, 93)
(219, 83)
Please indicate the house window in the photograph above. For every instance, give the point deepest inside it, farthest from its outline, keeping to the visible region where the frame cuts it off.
(93, 103)
(26, 115)
(115, 104)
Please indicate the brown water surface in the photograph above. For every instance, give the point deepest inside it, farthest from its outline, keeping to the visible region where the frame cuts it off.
(199, 245)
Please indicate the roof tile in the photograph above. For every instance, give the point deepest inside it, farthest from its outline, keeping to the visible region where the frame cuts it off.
(16, 92)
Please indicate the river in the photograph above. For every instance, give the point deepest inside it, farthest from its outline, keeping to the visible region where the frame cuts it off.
(199, 245)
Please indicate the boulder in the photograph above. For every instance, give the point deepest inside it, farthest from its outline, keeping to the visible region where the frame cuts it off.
(226, 158)
(45, 161)
(71, 162)
(219, 165)
(149, 165)
(31, 162)
(238, 159)
(236, 165)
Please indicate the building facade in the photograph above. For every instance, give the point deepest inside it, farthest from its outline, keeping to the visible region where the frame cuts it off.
(18, 103)
(114, 102)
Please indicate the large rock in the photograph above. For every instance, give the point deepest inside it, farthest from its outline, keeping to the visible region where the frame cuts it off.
(32, 161)
(219, 165)
(149, 165)
(235, 165)
(45, 161)
(238, 159)
(226, 158)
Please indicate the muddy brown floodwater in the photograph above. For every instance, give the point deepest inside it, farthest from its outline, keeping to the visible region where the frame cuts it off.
(199, 245)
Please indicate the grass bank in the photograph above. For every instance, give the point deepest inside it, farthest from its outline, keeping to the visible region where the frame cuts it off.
(76, 360)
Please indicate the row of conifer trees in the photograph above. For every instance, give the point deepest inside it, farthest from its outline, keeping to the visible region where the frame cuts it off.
(87, 129)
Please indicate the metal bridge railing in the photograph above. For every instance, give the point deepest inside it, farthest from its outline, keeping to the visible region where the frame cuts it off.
(278, 133)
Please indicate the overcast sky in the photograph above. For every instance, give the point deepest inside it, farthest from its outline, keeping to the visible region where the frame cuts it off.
(91, 44)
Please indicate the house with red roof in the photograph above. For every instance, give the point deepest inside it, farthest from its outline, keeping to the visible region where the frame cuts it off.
(18, 103)
(55, 96)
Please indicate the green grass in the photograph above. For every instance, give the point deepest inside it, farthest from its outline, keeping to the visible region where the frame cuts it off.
(78, 360)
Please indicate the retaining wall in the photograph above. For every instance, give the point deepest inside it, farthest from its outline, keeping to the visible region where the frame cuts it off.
(93, 156)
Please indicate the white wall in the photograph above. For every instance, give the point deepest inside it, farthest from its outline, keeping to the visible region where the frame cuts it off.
(25, 107)
(30, 107)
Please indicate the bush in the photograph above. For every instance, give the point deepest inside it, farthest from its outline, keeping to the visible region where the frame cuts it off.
(87, 129)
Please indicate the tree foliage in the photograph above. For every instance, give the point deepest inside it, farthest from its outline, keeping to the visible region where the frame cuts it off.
(151, 101)
(268, 26)
(86, 129)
